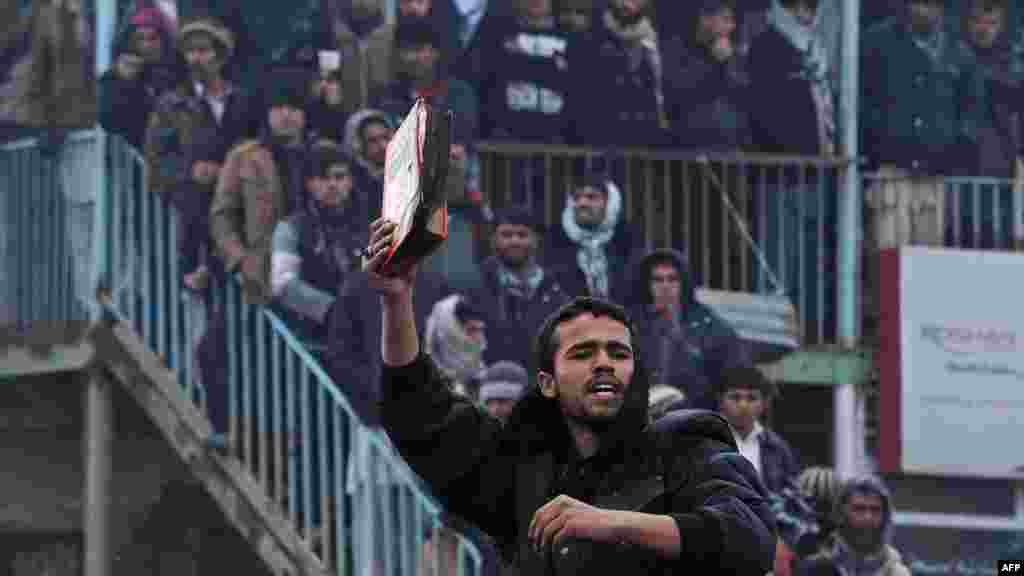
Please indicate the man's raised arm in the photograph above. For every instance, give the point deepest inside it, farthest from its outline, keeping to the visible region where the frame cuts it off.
(399, 344)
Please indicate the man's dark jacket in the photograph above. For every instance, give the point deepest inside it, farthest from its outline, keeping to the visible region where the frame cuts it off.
(512, 321)
(498, 477)
(691, 356)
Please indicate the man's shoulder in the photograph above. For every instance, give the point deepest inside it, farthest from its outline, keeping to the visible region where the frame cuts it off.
(694, 427)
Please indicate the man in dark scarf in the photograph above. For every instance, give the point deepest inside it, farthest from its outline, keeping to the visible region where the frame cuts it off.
(576, 482)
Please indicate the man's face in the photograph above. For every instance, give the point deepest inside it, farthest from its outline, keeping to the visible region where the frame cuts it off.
(376, 136)
(201, 56)
(742, 407)
(985, 27)
(593, 369)
(327, 88)
(474, 330)
(666, 286)
(335, 188)
(149, 43)
(419, 62)
(536, 9)
(629, 9)
(589, 206)
(414, 8)
(287, 122)
(500, 408)
(803, 10)
(513, 243)
(863, 520)
(925, 15)
(715, 25)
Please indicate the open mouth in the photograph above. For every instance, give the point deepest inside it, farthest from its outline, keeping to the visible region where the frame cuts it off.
(605, 390)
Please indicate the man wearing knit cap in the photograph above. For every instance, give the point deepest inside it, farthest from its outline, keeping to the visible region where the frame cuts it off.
(501, 386)
(204, 102)
(261, 183)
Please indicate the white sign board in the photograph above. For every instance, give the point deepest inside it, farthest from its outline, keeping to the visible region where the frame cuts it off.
(961, 363)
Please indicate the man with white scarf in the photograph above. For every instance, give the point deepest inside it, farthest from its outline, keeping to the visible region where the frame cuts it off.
(594, 247)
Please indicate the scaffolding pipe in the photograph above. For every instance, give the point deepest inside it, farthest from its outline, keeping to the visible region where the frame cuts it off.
(848, 433)
(99, 438)
(99, 410)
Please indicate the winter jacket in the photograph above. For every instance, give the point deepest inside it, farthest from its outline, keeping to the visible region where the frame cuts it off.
(367, 63)
(1000, 138)
(61, 87)
(524, 93)
(838, 558)
(612, 103)
(778, 464)
(917, 114)
(312, 254)
(251, 198)
(704, 100)
(179, 116)
(687, 353)
(497, 477)
(15, 61)
(511, 320)
(126, 105)
(783, 115)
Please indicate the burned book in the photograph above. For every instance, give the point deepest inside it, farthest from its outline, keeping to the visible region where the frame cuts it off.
(416, 169)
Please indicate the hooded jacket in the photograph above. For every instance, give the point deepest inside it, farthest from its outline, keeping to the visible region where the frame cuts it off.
(353, 143)
(838, 558)
(686, 351)
(497, 477)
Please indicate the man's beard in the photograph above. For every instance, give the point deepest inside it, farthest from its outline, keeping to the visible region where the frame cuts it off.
(862, 541)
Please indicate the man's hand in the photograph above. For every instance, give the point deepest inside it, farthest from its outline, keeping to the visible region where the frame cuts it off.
(566, 517)
(381, 237)
(128, 67)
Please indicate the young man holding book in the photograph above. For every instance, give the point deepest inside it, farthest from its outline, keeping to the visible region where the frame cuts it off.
(576, 481)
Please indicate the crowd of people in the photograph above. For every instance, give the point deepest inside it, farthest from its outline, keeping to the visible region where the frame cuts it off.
(266, 125)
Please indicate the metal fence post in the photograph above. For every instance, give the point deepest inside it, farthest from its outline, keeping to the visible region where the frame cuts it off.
(848, 435)
(99, 439)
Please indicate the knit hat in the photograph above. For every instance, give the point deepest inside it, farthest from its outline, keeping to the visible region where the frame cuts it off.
(502, 381)
(214, 28)
(288, 87)
(151, 18)
(516, 215)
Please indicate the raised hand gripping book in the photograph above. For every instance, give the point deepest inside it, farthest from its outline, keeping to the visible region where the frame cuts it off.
(415, 172)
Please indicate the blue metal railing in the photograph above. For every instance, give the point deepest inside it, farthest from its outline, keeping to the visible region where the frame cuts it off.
(953, 212)
(340, 484)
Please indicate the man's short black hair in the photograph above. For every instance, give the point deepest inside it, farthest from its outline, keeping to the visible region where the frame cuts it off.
(320, 159)
(744, 377)
(547, 339)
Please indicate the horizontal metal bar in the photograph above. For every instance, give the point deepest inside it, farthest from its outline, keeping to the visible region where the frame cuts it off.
(576, 152)
(958, 521)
